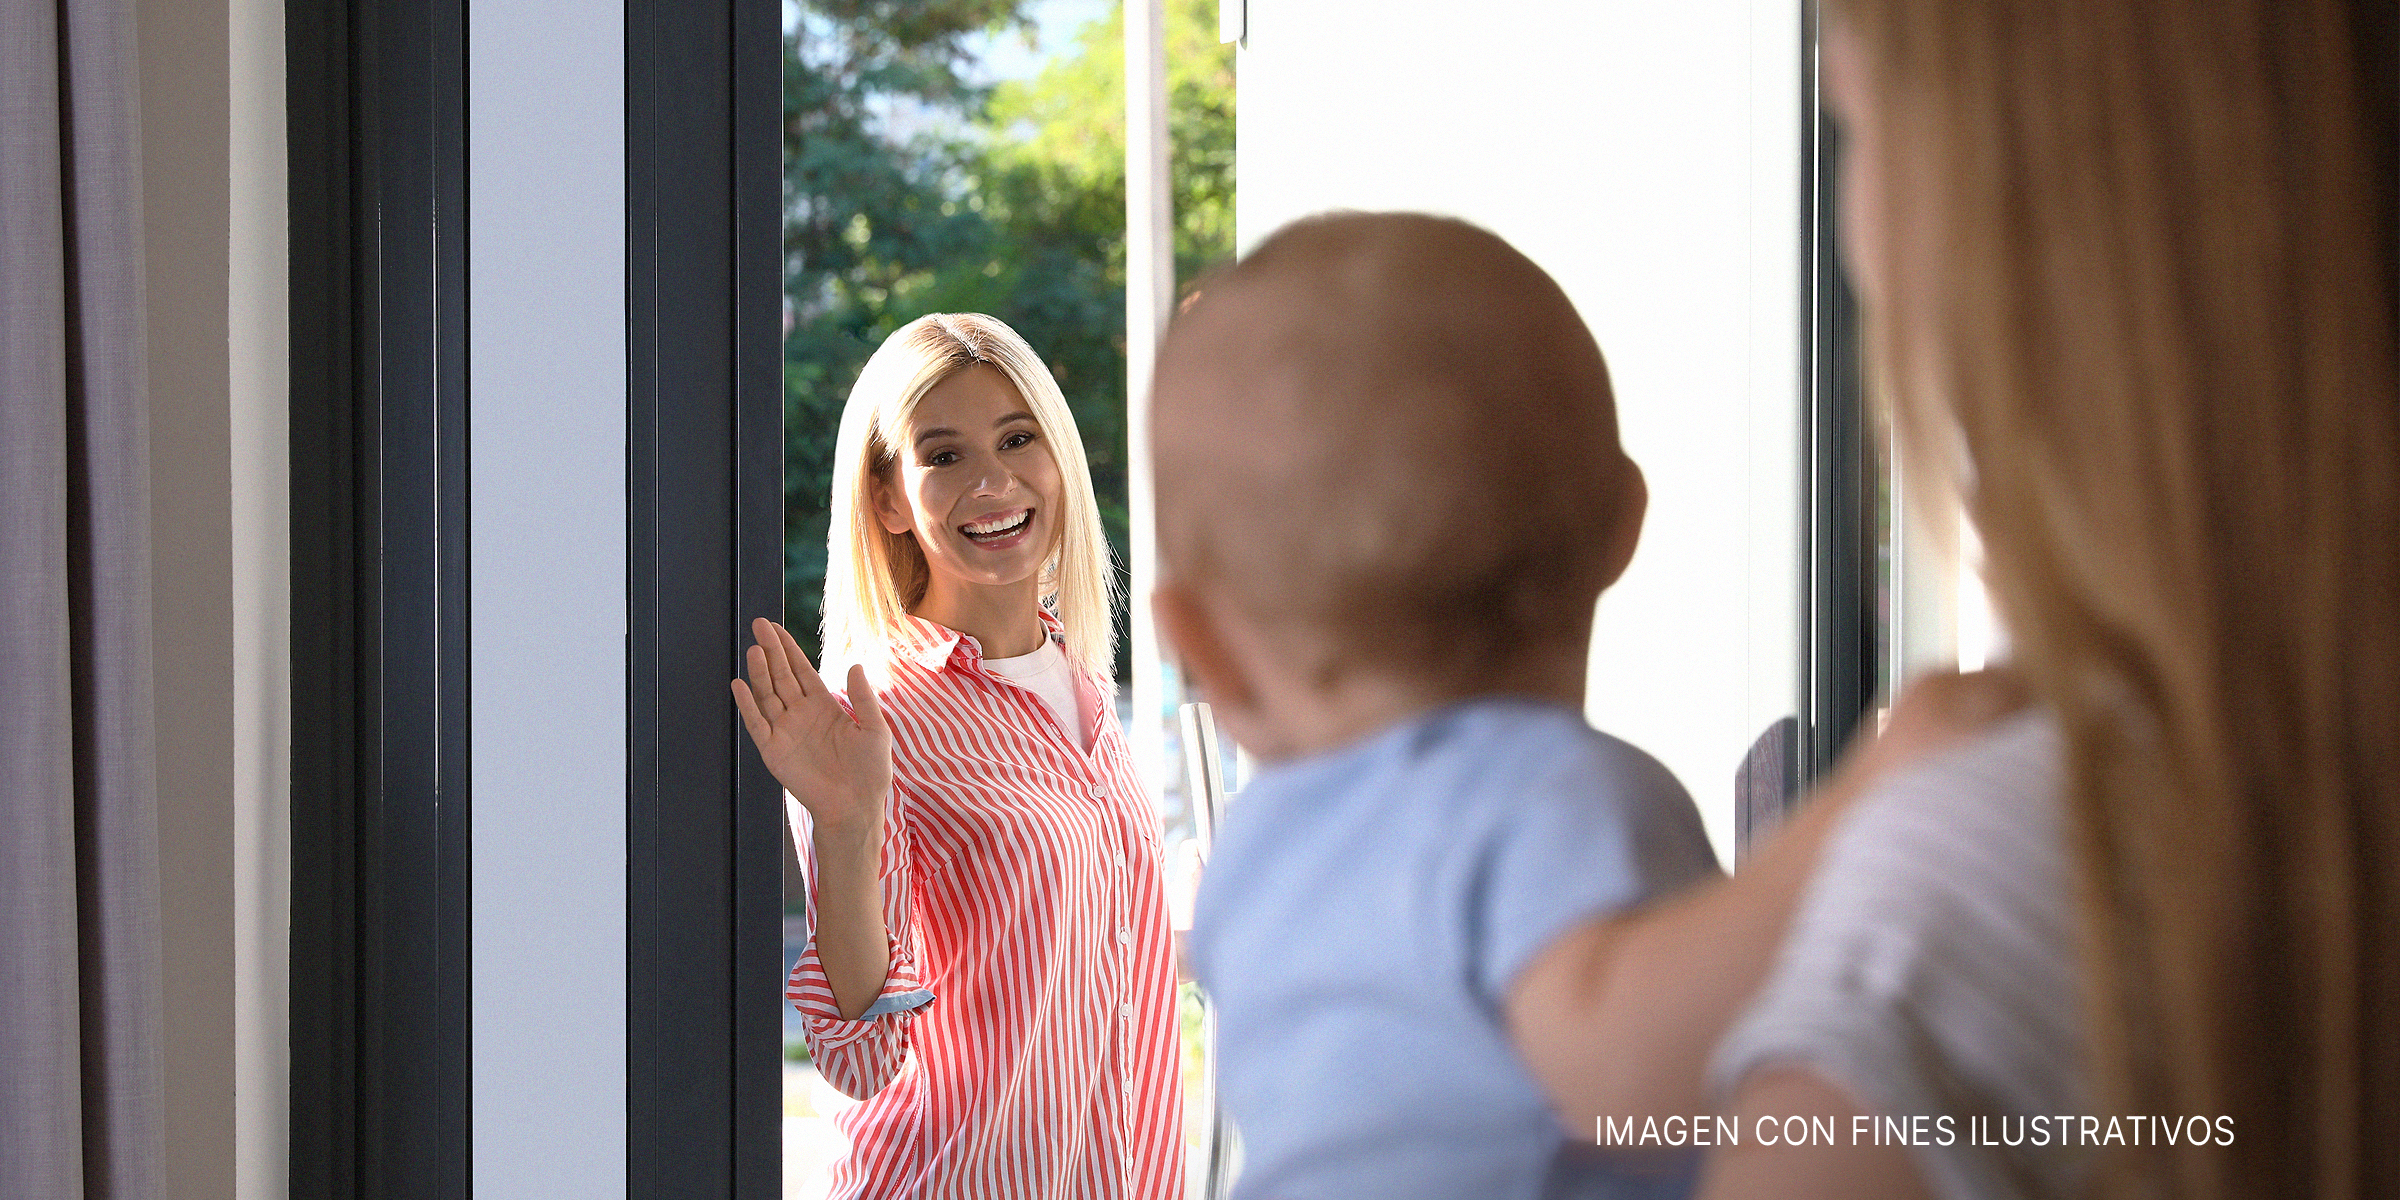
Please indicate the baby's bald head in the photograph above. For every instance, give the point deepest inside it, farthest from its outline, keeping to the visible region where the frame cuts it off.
(1393, 431)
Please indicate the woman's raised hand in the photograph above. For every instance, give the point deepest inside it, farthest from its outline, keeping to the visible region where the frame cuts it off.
(839, 768)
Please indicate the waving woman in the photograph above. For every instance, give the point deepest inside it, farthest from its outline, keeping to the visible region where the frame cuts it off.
(989, 965)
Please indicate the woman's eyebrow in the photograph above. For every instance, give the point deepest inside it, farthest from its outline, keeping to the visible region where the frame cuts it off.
(1014, 416)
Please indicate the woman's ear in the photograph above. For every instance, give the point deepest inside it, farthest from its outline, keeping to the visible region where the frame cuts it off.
(888, 508)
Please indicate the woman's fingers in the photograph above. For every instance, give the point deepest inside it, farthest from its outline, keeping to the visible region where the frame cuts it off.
(779, 672)
(752, 719)
(862, 701)
(781, 655)
(762, 674)
(761, 688)
(810, 682)
(1943, 708)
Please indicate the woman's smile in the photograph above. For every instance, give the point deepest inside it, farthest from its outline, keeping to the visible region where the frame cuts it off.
(1002, 531)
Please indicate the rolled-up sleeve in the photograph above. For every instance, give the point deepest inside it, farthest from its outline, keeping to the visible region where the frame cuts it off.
(859, 1056)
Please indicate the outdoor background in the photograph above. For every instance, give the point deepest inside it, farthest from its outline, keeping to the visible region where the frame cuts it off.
(969, 156)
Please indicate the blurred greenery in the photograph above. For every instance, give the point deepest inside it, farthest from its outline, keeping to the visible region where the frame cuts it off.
(908, 189)
(1191, 1010)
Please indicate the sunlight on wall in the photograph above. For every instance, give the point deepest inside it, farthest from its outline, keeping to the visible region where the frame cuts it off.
(1649, 157)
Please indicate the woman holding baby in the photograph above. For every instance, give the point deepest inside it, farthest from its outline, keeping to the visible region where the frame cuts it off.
(2130, 268)
(989, 964)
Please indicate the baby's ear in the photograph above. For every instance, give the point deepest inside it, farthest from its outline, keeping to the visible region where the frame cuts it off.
(1193, 635)
(1625, 533)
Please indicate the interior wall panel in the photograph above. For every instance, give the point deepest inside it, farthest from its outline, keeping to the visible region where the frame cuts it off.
(547, 388)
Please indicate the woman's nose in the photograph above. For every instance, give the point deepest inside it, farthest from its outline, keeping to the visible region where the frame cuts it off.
(995, 480)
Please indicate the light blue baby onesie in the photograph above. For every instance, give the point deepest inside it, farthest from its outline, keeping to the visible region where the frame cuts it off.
(1360, 922)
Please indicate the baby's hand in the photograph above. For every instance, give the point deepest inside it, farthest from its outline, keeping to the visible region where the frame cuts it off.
(1935, 713)
(1619, 1014)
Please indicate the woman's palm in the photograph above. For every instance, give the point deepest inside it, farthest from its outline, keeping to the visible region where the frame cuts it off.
(838, 767)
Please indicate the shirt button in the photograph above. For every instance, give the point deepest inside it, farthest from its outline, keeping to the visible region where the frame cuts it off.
(1124, 936)
(1120, 860)
(1125, 1011)
(1099, 790)
(1128, 1087)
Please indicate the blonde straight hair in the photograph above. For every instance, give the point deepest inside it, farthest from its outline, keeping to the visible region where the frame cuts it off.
(2139, 303)
(874, 577)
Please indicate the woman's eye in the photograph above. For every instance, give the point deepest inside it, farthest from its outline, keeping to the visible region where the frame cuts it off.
(1015, 440)
(942, 458)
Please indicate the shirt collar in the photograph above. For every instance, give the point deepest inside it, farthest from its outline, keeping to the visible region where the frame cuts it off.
(930, 644)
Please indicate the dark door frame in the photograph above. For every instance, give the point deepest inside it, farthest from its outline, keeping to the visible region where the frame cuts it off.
(1840, 629)
(704, 310)
(380, 479)
(1841, 648)
(379, 957)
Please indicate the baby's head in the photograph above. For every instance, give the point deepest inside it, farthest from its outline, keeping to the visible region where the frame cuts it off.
(1388, 477)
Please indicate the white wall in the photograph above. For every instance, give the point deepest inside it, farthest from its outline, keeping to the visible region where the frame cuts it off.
(1648, 156)
(546, 388)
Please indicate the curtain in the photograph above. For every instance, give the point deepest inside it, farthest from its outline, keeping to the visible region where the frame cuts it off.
(80, 1088)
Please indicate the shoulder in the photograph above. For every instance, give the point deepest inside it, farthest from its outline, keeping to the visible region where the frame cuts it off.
(1979, 822)
(950, 723)
(1942, 875)
(1558, 823)
(1929, 967)
(1485, 777)
(1519, 745)
(916, 694)
(1540, 771)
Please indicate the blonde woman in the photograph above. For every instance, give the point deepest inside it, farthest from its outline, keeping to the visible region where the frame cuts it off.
(989, 967)
(2131, 265)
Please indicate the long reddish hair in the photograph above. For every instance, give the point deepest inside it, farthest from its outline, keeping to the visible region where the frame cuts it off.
(2138, 300)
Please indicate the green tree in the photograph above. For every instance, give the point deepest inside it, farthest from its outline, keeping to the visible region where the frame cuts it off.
(1018, 212)
(867, 218)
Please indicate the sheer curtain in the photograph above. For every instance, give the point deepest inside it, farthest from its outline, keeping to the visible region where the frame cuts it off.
(79, 987)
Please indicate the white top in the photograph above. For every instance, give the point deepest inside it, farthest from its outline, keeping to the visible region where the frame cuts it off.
(1930, 969)
(1047, 674)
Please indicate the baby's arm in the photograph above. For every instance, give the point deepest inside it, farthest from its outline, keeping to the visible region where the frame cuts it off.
(1838, 1170)
(1619, 1015)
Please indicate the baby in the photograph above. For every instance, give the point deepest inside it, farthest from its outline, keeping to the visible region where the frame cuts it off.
(1390, 493)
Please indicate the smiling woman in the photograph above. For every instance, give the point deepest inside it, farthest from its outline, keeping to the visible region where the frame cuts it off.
(988, 964)
(956, 421)
(978, 492)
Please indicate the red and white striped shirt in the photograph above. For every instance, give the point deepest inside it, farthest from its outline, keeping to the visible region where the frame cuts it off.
(1025, 1042)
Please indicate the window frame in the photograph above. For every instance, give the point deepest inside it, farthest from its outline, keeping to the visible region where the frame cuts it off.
(380, 993)
(1841, 651)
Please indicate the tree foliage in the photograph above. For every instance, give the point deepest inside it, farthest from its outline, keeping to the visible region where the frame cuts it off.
(908, 190)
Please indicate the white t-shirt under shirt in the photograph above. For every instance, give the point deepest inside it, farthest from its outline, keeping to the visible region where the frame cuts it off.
(1047, 674)
(1930, 969)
